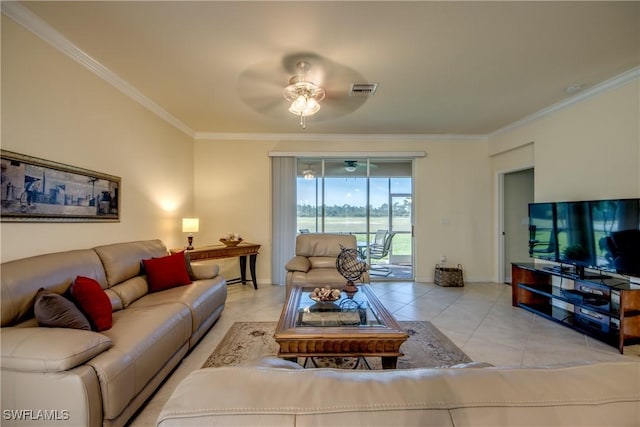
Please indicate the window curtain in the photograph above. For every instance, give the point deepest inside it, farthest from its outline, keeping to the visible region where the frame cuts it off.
(283, 215)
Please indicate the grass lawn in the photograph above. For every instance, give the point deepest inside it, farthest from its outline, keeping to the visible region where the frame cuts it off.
(401, 244)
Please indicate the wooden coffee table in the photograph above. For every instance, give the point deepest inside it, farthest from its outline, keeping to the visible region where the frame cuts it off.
(357, 326)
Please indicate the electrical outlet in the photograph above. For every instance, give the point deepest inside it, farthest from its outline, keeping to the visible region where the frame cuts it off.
(443, 259)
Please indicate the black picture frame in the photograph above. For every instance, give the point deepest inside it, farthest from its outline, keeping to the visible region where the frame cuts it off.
(39, 190)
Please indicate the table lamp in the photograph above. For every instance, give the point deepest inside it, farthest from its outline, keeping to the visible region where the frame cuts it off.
(190, 225)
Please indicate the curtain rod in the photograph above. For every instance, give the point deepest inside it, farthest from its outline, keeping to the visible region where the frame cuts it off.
(343, 154)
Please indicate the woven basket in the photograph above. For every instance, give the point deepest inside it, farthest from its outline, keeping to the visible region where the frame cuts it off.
(448, 277)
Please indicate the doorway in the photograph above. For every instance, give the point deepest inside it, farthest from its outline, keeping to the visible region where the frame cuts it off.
(369, 198)
(518, 192)
(401, 213)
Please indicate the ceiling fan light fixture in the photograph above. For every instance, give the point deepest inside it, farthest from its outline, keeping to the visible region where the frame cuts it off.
(304, 106)
(298, 105)
(304, 96)
(350, 165)
(308, 173)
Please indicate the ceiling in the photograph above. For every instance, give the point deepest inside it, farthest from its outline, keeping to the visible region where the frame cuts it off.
(463, 68)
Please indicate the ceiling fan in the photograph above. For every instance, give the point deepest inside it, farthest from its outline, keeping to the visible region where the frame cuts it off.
(261, 86)
(348, 167)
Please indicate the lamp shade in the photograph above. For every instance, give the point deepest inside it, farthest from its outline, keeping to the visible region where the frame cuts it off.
(190, 225)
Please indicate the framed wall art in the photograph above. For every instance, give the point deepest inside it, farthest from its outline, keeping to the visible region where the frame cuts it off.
(38, 190)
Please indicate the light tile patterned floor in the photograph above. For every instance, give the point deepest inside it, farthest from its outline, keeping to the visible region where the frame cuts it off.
(479, 318)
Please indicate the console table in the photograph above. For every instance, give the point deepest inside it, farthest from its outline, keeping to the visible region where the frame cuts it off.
(604, 307)
(241, 251)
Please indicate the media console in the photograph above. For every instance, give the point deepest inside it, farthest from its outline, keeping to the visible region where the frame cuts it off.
(604, 307)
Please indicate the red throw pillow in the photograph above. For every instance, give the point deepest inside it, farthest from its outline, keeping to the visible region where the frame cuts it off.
(166, 272)
(93, 302)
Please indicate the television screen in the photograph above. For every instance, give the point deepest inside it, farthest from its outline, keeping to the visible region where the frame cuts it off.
(575, 234)
(598, 234)
(616, 232)
(542, 236)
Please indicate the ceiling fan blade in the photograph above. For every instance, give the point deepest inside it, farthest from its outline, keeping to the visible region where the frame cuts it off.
(338, 107)
(268, 79)
(267, 104)
(263, 76)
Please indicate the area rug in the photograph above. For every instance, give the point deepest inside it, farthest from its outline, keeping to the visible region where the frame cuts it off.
(426, 347)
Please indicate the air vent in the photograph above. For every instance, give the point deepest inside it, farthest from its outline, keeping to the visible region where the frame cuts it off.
(363, 89)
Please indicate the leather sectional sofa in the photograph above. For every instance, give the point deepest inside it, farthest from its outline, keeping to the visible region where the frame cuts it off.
(87, 378)
(279, 393)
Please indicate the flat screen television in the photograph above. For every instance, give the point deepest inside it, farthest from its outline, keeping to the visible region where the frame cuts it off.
(575, 234)
(596, 234)
(542, 234)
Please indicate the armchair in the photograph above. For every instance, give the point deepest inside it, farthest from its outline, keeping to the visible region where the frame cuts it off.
(315, 260)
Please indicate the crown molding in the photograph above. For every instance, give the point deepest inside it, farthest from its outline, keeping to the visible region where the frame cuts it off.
(40, 28)
(326, 137)
(612, 83)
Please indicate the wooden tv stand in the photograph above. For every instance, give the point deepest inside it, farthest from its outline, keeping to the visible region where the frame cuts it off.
(604, 307)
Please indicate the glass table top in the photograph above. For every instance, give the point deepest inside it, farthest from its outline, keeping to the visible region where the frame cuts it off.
(348, 310)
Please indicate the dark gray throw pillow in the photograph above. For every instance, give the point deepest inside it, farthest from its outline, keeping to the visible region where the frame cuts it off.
(55, 311)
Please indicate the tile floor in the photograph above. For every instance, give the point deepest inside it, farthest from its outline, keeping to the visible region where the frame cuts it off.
(479, 318)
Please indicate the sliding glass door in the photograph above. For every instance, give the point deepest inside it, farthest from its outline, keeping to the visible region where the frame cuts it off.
(370, 198)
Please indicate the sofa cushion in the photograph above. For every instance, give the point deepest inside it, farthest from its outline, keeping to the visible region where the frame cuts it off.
(318, 275)
(49, 349)
(130, 290)
(22, 278)
(323, 245)
(144, 340)
(55, 311)
(201, 270)
(93, 301)
(300, 263)
(123, 261)
(202, 298)
(114, 298)
(594, 395)
(322, 262)
(166, 272)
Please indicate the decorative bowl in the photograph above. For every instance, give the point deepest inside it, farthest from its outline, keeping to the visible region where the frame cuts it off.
(231, 243)
(325, 294)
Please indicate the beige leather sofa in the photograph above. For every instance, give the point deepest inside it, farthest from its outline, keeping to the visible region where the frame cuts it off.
(603, 394)
(315, 260)
(86, 378)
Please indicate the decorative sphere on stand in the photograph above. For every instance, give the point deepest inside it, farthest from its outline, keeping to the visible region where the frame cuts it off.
(351, 267)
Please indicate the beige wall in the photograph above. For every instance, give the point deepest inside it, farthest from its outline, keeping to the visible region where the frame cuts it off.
(55, 109)
(452, 203)
(590, 150)
(587, 151)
